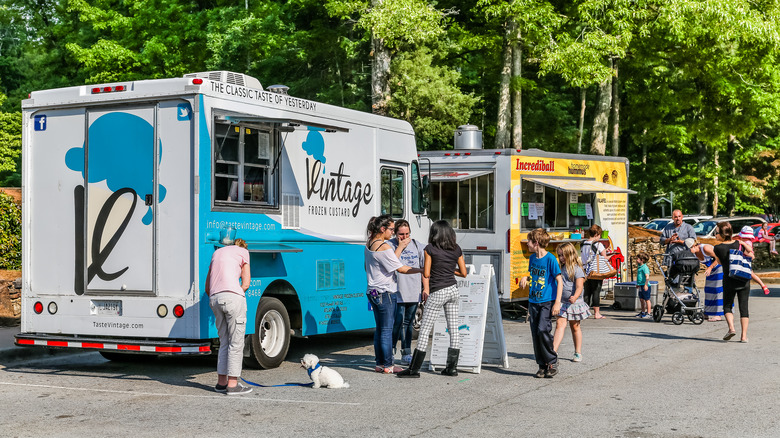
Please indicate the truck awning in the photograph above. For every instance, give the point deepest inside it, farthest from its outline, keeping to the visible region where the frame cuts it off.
(455, 175)
(579, 185)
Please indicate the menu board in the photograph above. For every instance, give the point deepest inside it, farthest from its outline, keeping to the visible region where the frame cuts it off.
(480, 326)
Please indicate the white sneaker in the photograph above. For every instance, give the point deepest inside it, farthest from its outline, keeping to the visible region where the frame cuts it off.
(577, 357)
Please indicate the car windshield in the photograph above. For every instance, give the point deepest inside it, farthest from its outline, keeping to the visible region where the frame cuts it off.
(704, 228)
(657, 224)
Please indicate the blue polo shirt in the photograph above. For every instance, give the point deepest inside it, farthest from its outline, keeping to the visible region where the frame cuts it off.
(543, 272)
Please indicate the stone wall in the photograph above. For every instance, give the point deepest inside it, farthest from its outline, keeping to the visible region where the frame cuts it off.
(764, 261)
(10, 301)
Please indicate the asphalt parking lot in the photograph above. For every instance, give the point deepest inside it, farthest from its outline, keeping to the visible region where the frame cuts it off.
(638, 378)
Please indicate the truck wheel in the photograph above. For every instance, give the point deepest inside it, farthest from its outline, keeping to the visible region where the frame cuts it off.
(269, 344)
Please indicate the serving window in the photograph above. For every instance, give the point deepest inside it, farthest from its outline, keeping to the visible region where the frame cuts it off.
(547, 207)
(243, 164)
(466, 204)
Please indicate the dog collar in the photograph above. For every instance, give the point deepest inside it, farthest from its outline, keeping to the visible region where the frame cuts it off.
(311, 370)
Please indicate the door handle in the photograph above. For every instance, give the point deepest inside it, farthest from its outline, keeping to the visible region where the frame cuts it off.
(149, 199)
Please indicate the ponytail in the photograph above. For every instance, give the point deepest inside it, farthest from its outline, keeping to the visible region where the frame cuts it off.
(376, 223)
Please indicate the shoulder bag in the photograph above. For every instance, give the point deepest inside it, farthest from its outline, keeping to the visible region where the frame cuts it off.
(600, 269)
(740, 265)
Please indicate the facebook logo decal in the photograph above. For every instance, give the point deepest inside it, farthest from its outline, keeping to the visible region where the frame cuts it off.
(40, 122)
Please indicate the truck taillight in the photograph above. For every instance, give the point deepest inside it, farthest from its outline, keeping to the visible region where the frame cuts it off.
(99, 90)
(178, 311)
(162, 311)
(38, 307)
(507, 240)
(52, 308)
(197, 81)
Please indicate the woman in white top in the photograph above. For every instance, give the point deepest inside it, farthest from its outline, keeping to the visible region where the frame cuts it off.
(381, 267)
(590, 249)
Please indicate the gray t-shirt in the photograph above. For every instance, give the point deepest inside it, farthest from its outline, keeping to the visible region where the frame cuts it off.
(413, 256)
(684, 231)
(381, 267)
(568, 284)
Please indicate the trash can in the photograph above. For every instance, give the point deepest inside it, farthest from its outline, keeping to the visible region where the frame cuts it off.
(626, 296)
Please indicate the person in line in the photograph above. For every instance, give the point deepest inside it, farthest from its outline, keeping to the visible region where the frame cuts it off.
(591, 248)
(410, 287)
(713, 279)
(675, 232)
(643, 286)
(227, 300)
(746, 236)
(732, 287)
(764, 237)
(381, 266)
(443, 261)
(543, 303)
(573, 307)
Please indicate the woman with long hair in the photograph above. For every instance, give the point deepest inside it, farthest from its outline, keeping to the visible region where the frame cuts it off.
(732, 287)
(442, 257)
(381, 266)
(590, 249)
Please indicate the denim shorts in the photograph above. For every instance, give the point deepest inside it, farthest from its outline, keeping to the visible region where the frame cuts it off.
(644, 294)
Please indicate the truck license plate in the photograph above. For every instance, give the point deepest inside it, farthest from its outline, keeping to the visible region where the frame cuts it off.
(106, 307)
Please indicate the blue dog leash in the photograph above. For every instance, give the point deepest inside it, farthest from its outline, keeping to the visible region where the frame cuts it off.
(310, 370)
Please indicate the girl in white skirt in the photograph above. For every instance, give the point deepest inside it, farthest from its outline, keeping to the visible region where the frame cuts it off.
(573, 307)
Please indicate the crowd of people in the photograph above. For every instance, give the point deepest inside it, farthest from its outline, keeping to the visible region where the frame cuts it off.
(403, 272)
(564, 289)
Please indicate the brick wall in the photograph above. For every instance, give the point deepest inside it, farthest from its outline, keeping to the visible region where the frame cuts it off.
(10, 301)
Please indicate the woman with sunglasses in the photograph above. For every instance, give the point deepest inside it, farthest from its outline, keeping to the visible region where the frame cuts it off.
(732, 287)
(381, 266)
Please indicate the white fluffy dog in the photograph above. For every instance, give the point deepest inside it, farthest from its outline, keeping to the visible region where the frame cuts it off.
(322, 376)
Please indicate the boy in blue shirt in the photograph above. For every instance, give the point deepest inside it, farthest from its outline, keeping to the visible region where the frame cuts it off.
(643, 286)
(543, 303)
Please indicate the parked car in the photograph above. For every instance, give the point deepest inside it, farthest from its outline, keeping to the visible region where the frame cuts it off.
(707, 228)
(660, 223)
(773, 228)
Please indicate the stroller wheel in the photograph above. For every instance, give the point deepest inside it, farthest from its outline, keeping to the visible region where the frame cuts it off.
(616, 305)
(678, 318)
(658, 312)
(698, 317)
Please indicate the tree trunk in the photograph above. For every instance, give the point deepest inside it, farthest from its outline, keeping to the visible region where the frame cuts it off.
(582, 120)
(643, 193)
(502, 127)
(715, 181)
(731, 198)
(380, 72)
(702, 151)
(598, 138)
(517, 92)
(615, 112)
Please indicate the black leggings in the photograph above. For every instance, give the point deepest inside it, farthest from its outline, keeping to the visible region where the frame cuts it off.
(742, 293)
(591, 292)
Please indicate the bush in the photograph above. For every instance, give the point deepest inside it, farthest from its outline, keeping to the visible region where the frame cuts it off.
(10, 233)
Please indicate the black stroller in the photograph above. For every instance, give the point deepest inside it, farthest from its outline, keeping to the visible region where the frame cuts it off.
(681, 296)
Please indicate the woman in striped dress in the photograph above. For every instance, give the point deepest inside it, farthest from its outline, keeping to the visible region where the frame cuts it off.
(713, 280)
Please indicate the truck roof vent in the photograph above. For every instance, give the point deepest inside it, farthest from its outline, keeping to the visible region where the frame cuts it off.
(227, 77)
(281, 89)
(468, 137)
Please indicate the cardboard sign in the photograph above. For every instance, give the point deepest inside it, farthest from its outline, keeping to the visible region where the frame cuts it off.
(480, 326)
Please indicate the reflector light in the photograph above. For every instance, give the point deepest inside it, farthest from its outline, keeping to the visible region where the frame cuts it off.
(95, 90)
(457, 155)
(119, 88)
(197, 81)
(497, 153)
(52, 308)
(482, 248)
(446, 155)
(162, 311)
(178, 311)
(38, 307)
(467, 153)
(106, 89)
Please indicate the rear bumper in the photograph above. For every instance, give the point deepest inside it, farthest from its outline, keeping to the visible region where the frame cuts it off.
(113, 344)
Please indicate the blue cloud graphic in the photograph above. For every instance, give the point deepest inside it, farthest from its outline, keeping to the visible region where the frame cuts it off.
(119, 153)
(315, 145)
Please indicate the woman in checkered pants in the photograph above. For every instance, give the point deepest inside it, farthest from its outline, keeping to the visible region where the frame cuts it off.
(443, 261)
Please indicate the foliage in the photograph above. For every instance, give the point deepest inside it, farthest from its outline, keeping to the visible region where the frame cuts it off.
(10, 233)
(10, 139)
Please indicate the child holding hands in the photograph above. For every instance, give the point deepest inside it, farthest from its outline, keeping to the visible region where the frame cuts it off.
(573, 307)
(543, 303)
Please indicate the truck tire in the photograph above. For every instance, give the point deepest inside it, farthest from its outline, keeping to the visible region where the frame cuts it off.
(269, 344)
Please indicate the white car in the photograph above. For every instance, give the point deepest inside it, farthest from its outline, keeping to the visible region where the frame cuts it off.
(707, 228)
(659, 223)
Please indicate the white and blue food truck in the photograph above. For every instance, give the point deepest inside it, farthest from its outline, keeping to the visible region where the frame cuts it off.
(129, 187)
